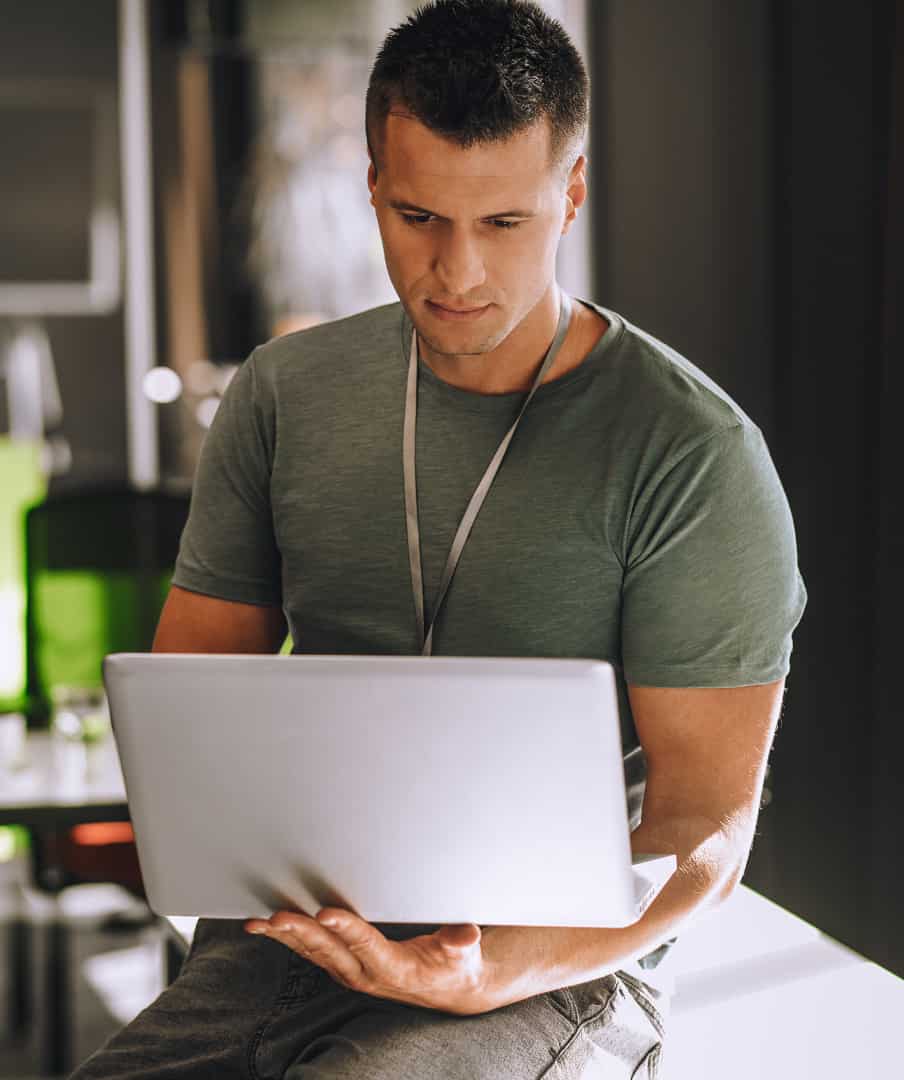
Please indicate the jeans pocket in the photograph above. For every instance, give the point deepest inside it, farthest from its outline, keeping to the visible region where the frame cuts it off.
(648, 1069)
(563, 1002)
(617, 1035)
(645, 999)
(277, 1038)
(591, 999)
(304, 980)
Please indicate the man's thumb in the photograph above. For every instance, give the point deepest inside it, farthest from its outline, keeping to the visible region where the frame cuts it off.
(459, 936)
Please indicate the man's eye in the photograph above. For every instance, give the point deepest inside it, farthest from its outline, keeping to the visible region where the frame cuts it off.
(425, 219)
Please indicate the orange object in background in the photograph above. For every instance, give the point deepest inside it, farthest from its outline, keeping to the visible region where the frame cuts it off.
(103, 852)
(103, 832)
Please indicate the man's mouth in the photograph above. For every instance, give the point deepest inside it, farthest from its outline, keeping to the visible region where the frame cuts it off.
(455, 314)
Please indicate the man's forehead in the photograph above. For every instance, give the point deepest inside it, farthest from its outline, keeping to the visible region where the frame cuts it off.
(411, 150)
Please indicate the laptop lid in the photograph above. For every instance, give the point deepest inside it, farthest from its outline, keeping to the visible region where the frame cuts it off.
(408, 789)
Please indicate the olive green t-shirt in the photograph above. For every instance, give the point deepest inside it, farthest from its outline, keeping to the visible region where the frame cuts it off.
(637, 516)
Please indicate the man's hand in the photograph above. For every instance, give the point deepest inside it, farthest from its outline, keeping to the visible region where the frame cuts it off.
(445, 970)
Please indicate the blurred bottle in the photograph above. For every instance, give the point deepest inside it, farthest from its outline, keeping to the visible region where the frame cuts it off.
(80, 725)
(13, 756)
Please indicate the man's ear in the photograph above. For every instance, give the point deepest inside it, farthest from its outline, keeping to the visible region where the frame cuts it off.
(575, 191)
(371, 179)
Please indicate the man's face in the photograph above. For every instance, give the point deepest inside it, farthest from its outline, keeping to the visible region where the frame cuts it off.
(470, 236)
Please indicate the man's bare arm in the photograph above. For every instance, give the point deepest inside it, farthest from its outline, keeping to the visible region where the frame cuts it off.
(706, 762)
(706, 753)
(193, 623)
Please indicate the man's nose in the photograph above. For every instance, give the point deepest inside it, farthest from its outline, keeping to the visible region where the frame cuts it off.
(459, 264)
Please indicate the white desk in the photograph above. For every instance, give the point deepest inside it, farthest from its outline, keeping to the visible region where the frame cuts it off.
(183, 927)
(760, 993)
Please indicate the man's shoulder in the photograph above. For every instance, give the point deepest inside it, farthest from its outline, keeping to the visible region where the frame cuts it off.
(340, 346)
(655, 383)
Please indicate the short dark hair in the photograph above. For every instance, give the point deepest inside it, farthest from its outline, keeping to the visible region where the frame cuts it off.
(479, 71)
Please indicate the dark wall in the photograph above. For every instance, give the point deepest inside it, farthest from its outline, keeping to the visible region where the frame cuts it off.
(888, 741)
(679, 167)
(744, 199)
(57, 40)
(833, 294)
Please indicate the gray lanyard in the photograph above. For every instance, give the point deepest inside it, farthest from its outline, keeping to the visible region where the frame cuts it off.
(480, 492)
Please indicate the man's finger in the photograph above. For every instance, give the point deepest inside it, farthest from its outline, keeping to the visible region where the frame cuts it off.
(356, 933)
(313, 941)
(459, 936)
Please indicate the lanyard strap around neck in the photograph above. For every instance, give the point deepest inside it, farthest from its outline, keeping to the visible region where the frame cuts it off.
(425, 635)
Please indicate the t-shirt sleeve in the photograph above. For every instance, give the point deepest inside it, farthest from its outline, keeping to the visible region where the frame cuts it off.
(228, 548)
(711, 591)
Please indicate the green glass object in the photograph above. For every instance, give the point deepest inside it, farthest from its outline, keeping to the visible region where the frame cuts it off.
(98, 571)
(14, 841)
(81, 615)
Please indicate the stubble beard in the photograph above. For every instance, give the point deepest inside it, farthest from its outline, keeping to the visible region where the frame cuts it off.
(483, 345)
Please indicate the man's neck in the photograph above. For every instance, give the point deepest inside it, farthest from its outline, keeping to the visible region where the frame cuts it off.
(512, 366)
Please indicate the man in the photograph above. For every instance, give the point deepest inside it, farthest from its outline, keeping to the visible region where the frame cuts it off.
(636, 517)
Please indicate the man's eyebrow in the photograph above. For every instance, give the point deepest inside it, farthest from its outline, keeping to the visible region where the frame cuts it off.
(399, 204)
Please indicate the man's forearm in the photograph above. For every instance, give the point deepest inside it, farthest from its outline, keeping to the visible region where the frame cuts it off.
(523, 961)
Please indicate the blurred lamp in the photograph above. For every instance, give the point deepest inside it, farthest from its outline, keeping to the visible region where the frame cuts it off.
(162, 385)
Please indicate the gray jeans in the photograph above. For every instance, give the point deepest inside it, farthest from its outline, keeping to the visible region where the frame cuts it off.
(246, 1007)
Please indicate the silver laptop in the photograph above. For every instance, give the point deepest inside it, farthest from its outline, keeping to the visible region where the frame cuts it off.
(407, 789)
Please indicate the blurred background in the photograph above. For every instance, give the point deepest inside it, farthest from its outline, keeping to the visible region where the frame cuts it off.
(184, 179)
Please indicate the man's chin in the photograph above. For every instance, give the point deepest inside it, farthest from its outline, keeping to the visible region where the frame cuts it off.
(459, 344)
(459, 340)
